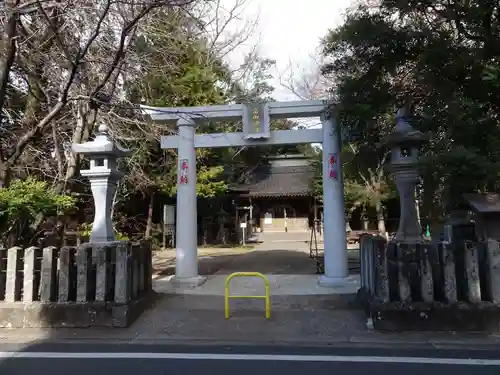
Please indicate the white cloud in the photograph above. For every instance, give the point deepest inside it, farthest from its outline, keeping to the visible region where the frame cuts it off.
(291, 30)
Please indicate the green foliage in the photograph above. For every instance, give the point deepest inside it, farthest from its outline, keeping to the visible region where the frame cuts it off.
(442, 57)
(210, 183)
(181, 69)
(86, 228)
(23, 201)
(369, 192)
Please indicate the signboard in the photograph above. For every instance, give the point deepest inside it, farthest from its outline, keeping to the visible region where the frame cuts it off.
(183, 171)
(332, 166)
(268, 218)
(243, 225)
(169, 229)
(169, 214)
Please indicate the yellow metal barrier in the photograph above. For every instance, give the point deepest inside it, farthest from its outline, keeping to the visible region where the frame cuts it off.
(246, 274)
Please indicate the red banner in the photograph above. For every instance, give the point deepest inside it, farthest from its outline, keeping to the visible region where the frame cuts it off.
(183, 171)
(332, 166)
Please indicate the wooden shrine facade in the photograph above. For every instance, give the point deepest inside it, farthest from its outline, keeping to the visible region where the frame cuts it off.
(277, 197)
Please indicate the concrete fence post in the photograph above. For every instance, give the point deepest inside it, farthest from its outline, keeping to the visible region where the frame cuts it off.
(65, 272)
(404, 252)
(493, 264)
(13, 279)
(381, 269)
(103, 274)
(48, 274)
(30, 293)
(122, 275)
(148, 275)
(84, 271)
(372, 267)
(136, 248)
(447, 261)
(142, 266)
(3, 272)
(472, 272)
(367, 263)
(426, 277)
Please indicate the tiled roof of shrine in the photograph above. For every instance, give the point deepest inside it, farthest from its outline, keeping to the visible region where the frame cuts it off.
(277, 181)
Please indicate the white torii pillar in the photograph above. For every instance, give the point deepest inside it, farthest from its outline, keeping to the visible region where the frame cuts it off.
(335, 261)
(186, 269)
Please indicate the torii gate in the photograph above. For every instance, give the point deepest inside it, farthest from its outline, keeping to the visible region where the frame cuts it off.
(256, 118)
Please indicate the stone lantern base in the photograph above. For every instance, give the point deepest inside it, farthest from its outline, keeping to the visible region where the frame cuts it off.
(429, 286)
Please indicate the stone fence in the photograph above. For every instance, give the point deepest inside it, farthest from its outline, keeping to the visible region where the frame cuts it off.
(431, 286)
(90, 285)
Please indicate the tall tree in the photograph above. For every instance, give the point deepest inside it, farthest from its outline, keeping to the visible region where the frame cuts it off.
(434, 54)
(60, 62)
(366, 185)
(65, 65)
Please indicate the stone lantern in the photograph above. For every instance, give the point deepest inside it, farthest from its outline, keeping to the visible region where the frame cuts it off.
(103, 175)
(404, 144)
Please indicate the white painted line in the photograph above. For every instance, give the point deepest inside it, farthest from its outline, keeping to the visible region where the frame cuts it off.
(253, 357)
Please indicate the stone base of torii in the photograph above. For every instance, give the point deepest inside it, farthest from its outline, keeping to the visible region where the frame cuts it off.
(256, 120)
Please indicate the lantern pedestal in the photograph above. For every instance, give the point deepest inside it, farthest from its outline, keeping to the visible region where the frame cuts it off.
(103, 176)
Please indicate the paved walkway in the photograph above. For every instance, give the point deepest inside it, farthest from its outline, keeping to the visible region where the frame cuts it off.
(210, 259)
(282, 257)
(300, 308)
(191, 320)
(276, 253)
(280, 285)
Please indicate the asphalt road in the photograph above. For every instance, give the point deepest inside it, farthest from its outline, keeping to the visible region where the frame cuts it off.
(127, 359)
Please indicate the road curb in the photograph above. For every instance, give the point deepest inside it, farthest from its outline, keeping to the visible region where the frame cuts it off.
(441, 345)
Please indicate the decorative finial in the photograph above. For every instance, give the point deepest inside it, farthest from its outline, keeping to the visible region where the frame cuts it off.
(103, 129)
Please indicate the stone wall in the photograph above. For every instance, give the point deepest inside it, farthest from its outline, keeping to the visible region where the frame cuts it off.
(89, 285)
(417, 283)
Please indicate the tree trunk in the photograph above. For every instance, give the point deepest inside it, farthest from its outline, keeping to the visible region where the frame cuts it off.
(4, 174)
(149, 225)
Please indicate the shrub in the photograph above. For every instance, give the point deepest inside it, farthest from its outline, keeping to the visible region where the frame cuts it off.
(23, 202)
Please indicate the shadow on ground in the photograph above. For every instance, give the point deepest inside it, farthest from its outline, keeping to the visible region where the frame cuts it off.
(282, 262)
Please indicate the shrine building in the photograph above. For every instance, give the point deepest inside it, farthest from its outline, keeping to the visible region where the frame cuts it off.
(278, 196)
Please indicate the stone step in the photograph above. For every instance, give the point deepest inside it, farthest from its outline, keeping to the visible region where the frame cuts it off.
(278, 303)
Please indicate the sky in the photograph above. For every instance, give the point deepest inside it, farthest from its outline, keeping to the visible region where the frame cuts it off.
(289, 31)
